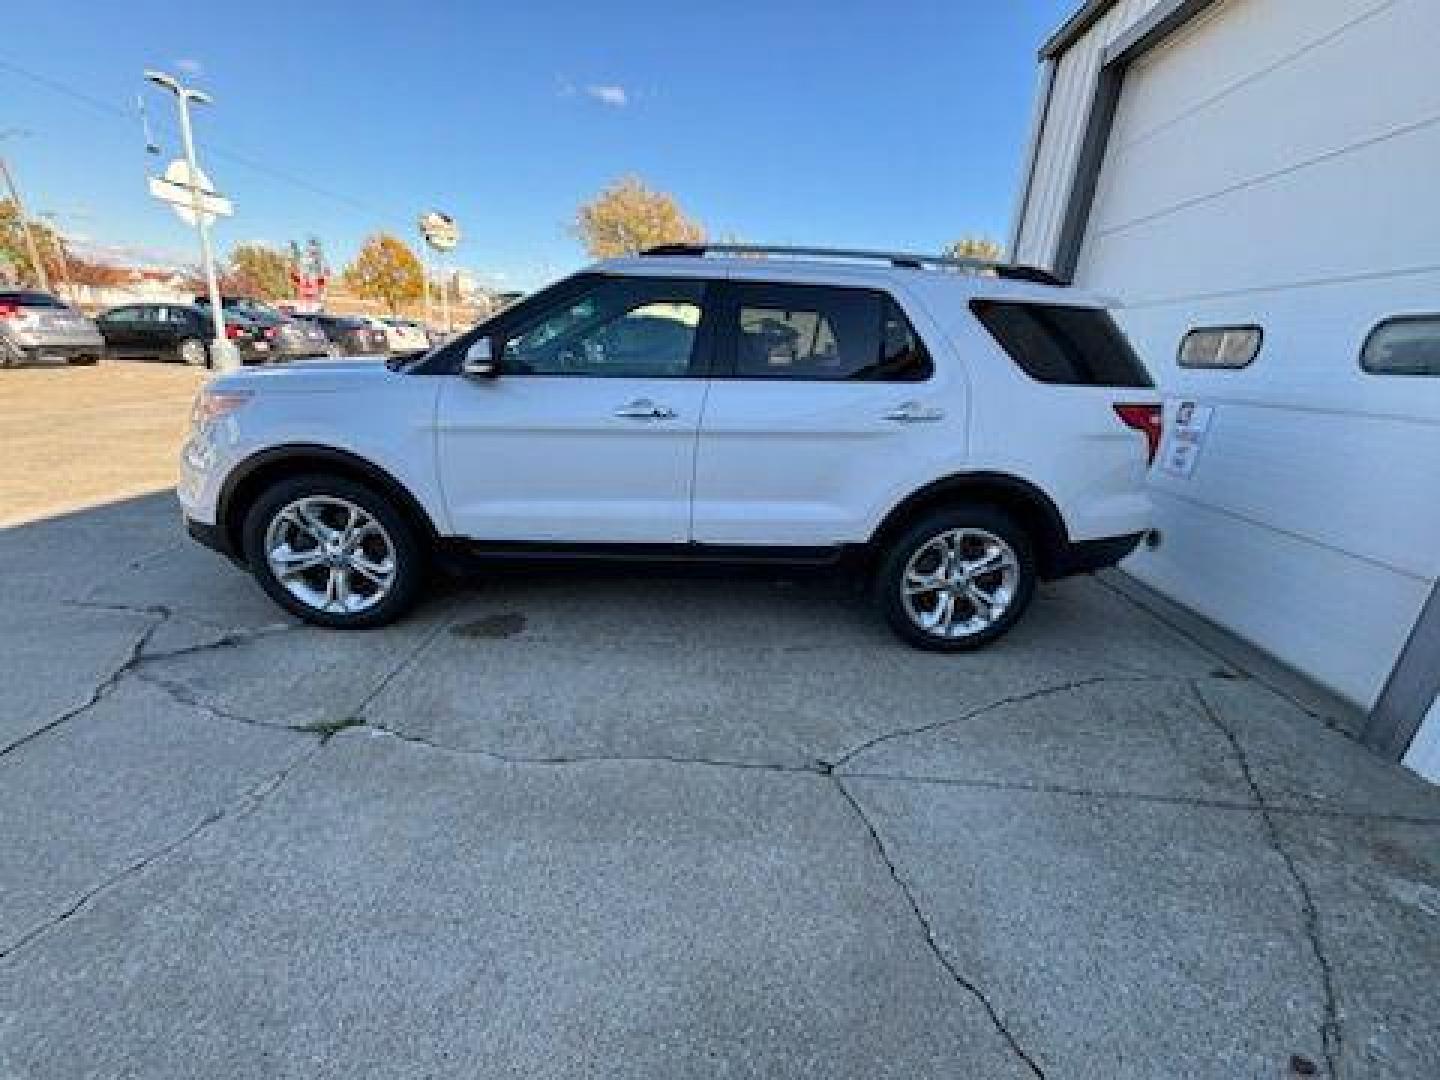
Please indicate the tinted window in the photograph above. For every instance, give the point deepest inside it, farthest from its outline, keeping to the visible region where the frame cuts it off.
(1404, 346)
(30, 299)
(816, 333)
(1220, 347)
(625, 328)
(1053, 343)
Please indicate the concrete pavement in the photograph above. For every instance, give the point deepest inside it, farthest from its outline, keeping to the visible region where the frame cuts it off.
(627, 824)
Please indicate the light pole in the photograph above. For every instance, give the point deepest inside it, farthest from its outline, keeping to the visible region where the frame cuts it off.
(184, 95)
(30, 245)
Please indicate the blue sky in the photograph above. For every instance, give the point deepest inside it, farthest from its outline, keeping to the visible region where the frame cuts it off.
(888, 124)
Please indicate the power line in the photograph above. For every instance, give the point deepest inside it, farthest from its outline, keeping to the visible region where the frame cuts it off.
(216, 149)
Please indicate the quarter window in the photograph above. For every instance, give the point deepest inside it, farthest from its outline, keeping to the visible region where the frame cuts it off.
(1408, 345)
(1221, 347)
(1056, 343)
(813, 333)
(635, 328)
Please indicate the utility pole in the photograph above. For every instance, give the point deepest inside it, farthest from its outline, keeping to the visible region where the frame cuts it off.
(221, 350)
(30, 245)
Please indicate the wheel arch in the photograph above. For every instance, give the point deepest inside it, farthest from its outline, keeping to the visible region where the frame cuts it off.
(1032, 509)
(248, 480)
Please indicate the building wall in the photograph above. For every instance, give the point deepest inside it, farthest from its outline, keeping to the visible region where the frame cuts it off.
(1274, 163)
(1058, 144)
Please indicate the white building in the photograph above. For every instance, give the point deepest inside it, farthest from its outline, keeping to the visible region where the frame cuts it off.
(1270, 169)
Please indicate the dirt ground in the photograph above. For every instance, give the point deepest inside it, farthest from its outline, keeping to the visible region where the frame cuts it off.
(78, 437)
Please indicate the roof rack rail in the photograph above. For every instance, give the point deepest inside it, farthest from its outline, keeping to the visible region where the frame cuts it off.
(908, 260)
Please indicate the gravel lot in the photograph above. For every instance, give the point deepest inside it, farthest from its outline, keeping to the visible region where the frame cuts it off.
(652, 825)
(76, 437)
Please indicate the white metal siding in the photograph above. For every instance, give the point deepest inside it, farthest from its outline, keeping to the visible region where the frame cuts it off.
(1058, 149)
(1275, 163)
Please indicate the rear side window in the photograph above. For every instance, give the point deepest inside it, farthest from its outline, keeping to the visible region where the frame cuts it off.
(1054, 343)
(817, 333)
(1409, 345)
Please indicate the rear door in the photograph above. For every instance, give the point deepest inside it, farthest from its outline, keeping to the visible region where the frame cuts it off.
(588, 434)
(824, 402)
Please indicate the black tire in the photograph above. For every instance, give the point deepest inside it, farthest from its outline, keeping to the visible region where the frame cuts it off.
(895, 558)
(408, 553)
(84, 361)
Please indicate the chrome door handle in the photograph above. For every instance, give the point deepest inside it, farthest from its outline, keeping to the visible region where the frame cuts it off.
(912, 412)
(645, 409)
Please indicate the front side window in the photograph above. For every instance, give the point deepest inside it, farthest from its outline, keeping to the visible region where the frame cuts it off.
(617, 328)
(814, 333)
(1408, 345)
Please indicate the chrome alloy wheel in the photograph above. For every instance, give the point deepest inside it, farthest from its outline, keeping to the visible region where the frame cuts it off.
(960, 583)
(330, 554)
(192, 352)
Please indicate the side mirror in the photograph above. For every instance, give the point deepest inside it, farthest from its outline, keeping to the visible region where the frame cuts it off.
(479, 362)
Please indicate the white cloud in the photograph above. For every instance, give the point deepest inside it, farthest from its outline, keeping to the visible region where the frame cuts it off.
(609, 94)
(190, 66)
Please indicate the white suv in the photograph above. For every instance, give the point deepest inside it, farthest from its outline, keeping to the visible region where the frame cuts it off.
(963, 434)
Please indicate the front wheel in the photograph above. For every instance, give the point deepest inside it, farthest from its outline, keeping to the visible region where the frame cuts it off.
(957, 580)
(333, 552)
(192, 353)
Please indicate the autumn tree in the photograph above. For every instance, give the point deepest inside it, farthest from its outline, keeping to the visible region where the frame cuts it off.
(628, 217)
(260, 271)
(975, 247)
(95, 274)
(15, 253)
(386, 270)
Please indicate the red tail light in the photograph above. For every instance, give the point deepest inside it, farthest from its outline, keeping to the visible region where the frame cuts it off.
(269, 332)
(9, 311)
(1146, 419)
(233, 331)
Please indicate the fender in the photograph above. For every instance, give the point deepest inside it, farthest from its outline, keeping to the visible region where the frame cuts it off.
(249, 478)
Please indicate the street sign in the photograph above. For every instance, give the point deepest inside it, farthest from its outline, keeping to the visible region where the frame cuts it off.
(441, 231)
(175, 188)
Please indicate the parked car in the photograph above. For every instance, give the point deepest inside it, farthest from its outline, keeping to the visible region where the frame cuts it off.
(288, 338)
(956, 437)
(37, 326)
(353, 335)
(181, 332)
(405, 336)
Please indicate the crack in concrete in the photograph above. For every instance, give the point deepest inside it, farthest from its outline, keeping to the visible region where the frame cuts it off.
(817, 769)
(247, 803)
(1331, 1033)
(1195, 801)
(929, 931)
(105, 686)
(1012, 699)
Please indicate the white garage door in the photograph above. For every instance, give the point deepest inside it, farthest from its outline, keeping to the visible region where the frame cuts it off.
(1275, 164)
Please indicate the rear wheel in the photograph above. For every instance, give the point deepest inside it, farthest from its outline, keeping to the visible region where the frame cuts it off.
(333, 552)
(192, 353)
(957, 580)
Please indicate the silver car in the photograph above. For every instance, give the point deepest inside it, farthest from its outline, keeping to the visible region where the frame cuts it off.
(38, 327)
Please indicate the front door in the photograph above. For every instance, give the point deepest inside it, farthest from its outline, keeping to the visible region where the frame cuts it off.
(588, 434)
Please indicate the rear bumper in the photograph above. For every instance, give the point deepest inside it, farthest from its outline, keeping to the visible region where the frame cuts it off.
(33, 354)
(1087, 556)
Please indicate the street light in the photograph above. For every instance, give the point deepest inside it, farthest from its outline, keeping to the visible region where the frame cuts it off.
(184, 95)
